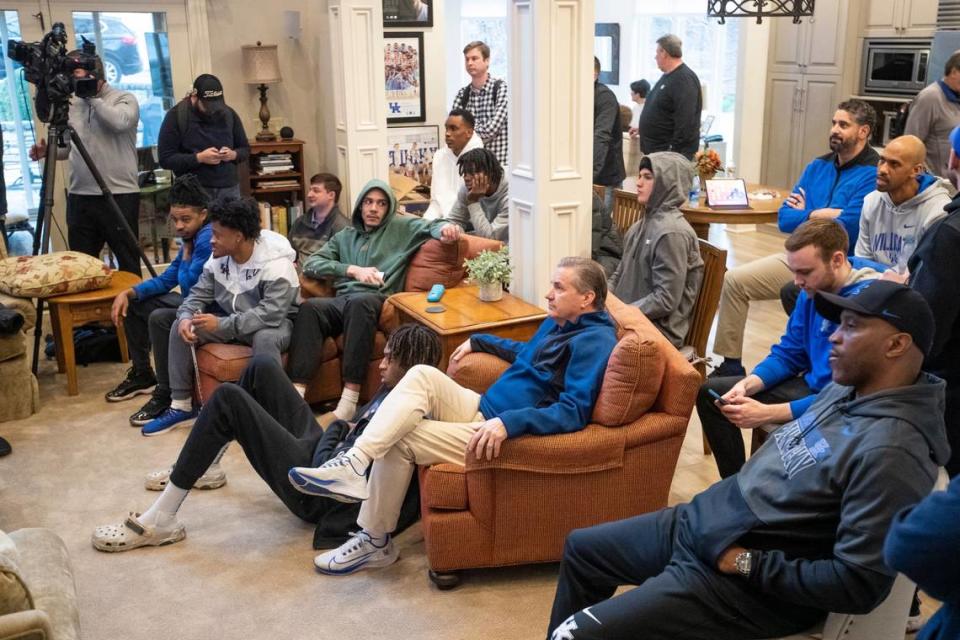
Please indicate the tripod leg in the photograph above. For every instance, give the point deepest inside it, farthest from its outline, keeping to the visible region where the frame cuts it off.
(41, 237)
(114, 207)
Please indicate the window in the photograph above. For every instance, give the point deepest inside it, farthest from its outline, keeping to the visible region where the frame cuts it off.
(484, 20)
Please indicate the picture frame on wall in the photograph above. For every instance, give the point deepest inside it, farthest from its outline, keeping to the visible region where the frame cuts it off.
(408, 13)
(606, 46)
(410, 151)
(403, 77)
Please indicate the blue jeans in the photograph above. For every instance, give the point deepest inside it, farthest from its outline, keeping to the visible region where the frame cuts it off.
(218, 193)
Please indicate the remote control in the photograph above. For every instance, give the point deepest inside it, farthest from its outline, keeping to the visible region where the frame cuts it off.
(436, 292)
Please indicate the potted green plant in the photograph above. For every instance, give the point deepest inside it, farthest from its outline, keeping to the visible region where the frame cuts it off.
(490, 270)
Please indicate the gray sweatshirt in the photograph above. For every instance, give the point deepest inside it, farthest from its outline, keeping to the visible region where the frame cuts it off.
(932, 117)
(890, 233)
(107, 126)
(487, 218)
(255, 295)
(661, 268)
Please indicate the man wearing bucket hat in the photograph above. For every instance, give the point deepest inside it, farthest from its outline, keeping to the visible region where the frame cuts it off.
(799, 531)
(204, 136)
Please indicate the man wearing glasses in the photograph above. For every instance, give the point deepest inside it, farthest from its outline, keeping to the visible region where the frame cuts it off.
(367, 262)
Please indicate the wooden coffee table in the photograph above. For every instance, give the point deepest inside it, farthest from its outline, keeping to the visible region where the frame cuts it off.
(465, 314)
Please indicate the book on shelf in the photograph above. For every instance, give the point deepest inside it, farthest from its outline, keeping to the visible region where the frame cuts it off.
(264, 214)
(265, 171)
(278, 219)
(279, 185)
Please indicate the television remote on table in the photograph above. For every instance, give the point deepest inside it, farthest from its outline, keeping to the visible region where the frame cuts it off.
(436, 292)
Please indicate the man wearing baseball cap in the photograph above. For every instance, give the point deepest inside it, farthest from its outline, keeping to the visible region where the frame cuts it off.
(799, 531)
(204, 136)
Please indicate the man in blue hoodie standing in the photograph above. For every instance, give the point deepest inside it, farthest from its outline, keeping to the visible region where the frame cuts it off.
(550, 387)
(799, 531)
(148, 309)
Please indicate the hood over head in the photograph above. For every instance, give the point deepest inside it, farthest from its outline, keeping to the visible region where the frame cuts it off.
(672, 179)
(357, 218)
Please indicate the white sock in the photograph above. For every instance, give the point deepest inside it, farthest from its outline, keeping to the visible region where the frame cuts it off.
(163, 512)
(301, 389)
(182, 405)
(362, 460)
(347, 406)
(377, 538)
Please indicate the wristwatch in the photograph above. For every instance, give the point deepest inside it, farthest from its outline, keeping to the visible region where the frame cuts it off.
(744, 562)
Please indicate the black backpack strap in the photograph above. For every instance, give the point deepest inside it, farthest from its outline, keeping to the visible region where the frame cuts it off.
(464, 97)
(183, 116)
(496, 90)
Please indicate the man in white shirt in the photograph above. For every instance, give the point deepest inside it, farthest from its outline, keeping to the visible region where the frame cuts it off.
(447, 181)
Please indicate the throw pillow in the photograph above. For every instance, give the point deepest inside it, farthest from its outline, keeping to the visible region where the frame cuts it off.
(52, 274)
(631, 382)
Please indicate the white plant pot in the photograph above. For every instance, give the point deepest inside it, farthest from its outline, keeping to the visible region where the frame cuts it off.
(491, 291)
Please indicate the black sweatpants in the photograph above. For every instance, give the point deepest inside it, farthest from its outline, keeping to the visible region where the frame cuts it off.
(724, 437)
(142, 330)
(91, 222)
(678, 595)
(272, 423)
(355, 315)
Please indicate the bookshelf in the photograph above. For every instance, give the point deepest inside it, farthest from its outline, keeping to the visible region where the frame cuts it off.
(275, 176)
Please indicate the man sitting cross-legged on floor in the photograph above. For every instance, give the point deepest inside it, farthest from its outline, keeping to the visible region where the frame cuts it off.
(550, 387)
(275, 428)
(784, 384)
(799, 531)
(148, 309)
(244, 295)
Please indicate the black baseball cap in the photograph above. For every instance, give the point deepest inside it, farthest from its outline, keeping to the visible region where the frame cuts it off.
(890, 301)
(207, 87)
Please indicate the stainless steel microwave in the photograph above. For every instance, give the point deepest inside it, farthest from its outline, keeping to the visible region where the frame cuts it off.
(895, 66)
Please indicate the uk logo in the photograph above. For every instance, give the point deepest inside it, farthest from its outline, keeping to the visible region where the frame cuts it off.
(225, 269)
(394, 107)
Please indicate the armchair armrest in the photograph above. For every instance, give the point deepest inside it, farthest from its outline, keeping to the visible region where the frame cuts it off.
(592, 449)
(31, 624)
(477, 371)
(315, 287)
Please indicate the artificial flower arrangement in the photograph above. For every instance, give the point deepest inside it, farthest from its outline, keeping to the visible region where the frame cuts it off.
(707, 162)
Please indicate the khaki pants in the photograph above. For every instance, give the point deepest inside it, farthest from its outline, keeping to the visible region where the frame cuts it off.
(758, 280)
(399, 437)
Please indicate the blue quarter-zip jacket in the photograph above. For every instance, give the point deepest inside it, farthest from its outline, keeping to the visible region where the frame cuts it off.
(553, 379)
(179, 272)
(828, 186)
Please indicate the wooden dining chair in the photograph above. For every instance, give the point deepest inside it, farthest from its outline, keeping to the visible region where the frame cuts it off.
(626, 210)
(704, 310)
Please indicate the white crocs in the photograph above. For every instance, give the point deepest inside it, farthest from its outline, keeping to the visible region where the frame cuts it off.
(214, 478)
(131, 534)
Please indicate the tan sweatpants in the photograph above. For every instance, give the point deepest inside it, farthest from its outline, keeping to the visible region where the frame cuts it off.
(399, 437)
(758, 280)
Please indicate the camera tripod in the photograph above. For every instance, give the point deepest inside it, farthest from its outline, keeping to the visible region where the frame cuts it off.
(59, 130)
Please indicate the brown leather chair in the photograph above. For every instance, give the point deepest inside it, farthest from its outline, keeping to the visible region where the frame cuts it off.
(519, 508)
(434, 263)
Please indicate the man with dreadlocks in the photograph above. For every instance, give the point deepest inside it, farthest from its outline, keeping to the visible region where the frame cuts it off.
(277, 430)
(148, 309)
(482, 208)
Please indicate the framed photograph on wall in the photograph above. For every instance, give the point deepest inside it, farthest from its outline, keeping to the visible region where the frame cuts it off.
(408, 13)
(410, 151)
(403, 77)
(606, 46)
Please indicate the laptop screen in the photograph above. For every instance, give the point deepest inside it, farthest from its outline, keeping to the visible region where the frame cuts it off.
(727, 192)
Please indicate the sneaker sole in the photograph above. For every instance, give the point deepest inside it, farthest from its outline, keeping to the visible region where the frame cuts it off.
(182, 423)
(371, 564)
(133, 394)
(175, 536)
(201, 484)
(304, 484)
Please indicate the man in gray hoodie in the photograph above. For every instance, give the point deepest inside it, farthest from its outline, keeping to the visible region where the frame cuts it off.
(799, 531)
(482, 207)
(661, 268)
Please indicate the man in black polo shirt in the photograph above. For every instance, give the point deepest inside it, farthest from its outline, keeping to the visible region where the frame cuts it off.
(670, 120)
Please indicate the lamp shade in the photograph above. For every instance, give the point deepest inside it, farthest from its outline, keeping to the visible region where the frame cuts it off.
(260, 63)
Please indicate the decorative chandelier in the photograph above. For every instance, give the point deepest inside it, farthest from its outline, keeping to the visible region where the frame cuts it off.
(760, 9)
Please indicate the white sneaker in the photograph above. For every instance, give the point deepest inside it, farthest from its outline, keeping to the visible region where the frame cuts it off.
(359, 552)
(214, 478)
(343, 478)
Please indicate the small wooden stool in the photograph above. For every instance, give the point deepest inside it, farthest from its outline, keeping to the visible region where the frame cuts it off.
(76, 309)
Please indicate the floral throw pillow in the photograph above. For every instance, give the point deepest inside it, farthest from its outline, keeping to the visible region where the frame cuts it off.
(52, 274)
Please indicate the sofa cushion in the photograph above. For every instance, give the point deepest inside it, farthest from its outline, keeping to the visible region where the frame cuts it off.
(226, 362)
(14, 594)
(631, 382)
(435, 263)
(52, 274)
(445, 487)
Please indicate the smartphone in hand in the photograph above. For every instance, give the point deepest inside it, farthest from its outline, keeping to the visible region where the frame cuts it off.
(718, 397)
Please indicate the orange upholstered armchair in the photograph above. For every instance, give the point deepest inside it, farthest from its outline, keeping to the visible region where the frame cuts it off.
(519, 508)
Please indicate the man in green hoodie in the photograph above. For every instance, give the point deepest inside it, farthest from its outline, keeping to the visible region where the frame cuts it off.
(368, 262)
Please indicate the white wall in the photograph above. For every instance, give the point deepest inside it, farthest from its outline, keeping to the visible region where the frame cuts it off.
(751, 97)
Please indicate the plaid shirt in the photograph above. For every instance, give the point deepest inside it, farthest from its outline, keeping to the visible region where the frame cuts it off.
(491, 117)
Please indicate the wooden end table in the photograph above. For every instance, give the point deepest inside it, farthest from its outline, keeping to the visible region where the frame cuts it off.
(465, 314)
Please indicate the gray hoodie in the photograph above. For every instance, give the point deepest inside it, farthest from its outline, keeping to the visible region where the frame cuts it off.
(487, 218)
(890, 233)
(661, 268)
(255, 295)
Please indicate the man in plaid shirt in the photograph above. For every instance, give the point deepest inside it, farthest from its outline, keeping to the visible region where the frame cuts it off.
(486, 98)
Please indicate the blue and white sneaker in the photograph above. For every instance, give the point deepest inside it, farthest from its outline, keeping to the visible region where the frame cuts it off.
(168, 421)
(359, 552)
(343, 478)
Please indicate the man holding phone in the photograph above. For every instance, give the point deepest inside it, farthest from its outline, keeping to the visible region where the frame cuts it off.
(204, 136)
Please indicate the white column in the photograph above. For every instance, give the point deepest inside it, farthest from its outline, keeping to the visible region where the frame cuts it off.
(360, 106)
(551, 138)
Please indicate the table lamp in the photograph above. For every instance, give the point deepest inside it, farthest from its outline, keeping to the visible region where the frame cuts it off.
(260, 67)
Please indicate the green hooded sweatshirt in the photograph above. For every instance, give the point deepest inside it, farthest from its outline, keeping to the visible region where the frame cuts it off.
(389, 247)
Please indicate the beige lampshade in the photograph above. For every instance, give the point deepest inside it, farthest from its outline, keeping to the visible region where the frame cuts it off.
(260, 63)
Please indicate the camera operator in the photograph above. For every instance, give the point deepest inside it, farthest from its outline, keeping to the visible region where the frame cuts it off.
(107, 125)
(203, 136)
